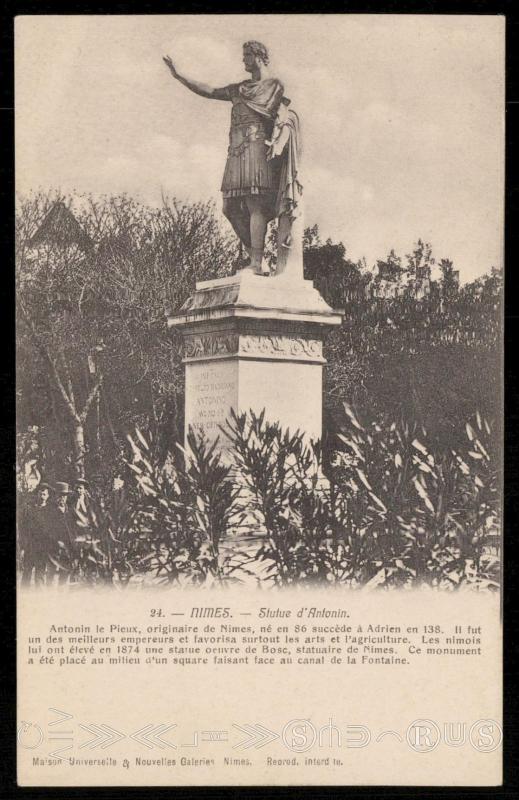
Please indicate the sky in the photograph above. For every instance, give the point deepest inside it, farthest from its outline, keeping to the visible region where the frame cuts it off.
(402, 118)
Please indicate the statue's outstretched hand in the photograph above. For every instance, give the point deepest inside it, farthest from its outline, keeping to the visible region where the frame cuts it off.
(169, 63)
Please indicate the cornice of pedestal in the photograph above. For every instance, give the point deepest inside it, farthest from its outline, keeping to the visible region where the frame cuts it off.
(249, 296)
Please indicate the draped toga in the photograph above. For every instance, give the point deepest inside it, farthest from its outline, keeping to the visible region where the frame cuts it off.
(264, 144)
(254, 108)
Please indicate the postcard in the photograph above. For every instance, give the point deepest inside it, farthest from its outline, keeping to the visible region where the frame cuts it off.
(259, 289)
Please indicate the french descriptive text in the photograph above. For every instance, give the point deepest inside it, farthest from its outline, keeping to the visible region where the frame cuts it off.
(310, 637)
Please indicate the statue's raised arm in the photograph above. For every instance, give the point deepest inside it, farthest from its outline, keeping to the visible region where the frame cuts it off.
(202, 89)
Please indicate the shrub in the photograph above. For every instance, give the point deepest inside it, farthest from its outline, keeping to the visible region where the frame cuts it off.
(183, 510)
(394, 510)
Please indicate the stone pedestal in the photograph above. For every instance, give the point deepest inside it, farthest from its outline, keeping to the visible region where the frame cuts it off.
(254, 342)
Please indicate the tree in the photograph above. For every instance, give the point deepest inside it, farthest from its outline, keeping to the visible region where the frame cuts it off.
(390, 272)
(449, 279)
(338, 279)
(50, 283)
(94, 352)
(391, 267)
(420, 260)
(488, 288)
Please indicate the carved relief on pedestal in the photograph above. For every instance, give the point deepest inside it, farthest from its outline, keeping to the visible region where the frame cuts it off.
(277, 345)
(210, 344)
(207, 345)
(295, 346)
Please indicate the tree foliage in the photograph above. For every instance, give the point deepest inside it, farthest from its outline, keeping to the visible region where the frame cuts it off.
(94, 356)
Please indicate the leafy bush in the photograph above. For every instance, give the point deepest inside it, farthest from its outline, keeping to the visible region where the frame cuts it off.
(392, 511)
(277, 476)
(420, 516)
(183, 510)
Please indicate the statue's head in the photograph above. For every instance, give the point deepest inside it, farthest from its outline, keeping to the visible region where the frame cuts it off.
(254, 54)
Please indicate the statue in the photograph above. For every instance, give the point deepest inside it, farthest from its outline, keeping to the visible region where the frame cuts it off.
(260, 180)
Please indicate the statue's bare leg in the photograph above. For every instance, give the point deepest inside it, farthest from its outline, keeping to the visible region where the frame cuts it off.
(249, 217)
(260, 215)
(236, 211)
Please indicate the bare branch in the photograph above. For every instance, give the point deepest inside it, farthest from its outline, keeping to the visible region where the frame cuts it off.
(70, 389)
(90, 399)
(44, 352)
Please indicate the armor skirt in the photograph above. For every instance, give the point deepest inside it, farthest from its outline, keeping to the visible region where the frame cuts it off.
(247, 171)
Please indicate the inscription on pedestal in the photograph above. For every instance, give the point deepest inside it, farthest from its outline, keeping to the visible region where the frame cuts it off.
(211, 392)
